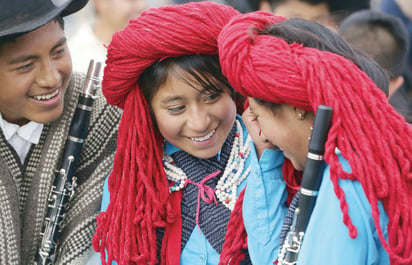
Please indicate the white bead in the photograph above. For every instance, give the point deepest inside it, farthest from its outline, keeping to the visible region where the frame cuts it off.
(226, 188)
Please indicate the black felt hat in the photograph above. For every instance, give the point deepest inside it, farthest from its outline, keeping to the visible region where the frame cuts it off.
(20, 16)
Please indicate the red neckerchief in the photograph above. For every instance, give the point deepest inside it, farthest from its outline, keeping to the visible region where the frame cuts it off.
(173, 231)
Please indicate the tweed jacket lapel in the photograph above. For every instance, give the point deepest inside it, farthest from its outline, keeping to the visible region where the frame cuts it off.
(26, 188)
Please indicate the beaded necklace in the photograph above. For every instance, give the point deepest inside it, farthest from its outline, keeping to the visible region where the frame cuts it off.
(226, 188)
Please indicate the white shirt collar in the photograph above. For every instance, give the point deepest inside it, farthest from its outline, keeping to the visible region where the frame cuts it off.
(30, 132)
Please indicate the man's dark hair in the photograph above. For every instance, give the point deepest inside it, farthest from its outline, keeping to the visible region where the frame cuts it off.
(382, 36)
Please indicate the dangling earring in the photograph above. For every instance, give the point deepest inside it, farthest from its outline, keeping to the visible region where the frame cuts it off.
(311, 129)
(301, 115)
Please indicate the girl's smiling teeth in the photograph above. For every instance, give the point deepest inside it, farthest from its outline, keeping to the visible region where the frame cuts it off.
(47, 96)
(204, 138)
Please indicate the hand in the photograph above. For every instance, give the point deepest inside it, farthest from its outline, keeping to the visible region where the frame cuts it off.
(406, 7)
(259, 139)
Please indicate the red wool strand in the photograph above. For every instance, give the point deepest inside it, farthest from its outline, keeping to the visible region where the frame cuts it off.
(375, 139)
(235, 239)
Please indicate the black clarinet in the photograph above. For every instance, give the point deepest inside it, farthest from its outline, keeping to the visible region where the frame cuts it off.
(65, 182)
(308, 192)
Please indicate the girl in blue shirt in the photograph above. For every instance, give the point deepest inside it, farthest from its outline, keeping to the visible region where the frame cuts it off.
(287, 68)
(183, 156)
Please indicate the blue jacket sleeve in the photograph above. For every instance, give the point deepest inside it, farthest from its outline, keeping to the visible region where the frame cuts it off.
(327, 239)
(264, 206)
(105, 202)
(106, 196)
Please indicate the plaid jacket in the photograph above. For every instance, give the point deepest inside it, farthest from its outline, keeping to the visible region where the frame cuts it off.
(24, 189)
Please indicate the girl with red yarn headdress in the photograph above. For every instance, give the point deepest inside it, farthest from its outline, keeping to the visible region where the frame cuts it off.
(363, 212)
(184, 155)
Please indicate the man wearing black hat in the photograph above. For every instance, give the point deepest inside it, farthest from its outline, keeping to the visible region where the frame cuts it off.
(38, 96)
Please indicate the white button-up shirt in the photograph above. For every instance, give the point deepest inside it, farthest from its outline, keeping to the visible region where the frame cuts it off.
(21, 137)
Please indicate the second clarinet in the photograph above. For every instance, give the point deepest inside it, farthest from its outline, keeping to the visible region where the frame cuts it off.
(65, 180)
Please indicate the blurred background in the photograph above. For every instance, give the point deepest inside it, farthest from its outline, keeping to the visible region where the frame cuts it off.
(89, 31)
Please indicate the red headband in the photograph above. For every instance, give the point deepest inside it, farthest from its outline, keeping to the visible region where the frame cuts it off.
(167, 31)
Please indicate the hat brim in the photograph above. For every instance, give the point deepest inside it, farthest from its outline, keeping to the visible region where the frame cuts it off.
(39, 17)
(73, 7)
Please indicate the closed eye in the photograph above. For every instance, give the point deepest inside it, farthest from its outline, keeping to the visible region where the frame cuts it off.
(254, 115)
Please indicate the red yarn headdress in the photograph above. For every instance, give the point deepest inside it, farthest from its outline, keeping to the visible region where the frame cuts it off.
(139, 195)
(375, 139)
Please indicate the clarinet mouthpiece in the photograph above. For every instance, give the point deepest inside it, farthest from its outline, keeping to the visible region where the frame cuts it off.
(92, 82)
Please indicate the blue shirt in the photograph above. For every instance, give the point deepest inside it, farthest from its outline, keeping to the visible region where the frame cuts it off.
(327, 241)
(197, 249)
(264, 206)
